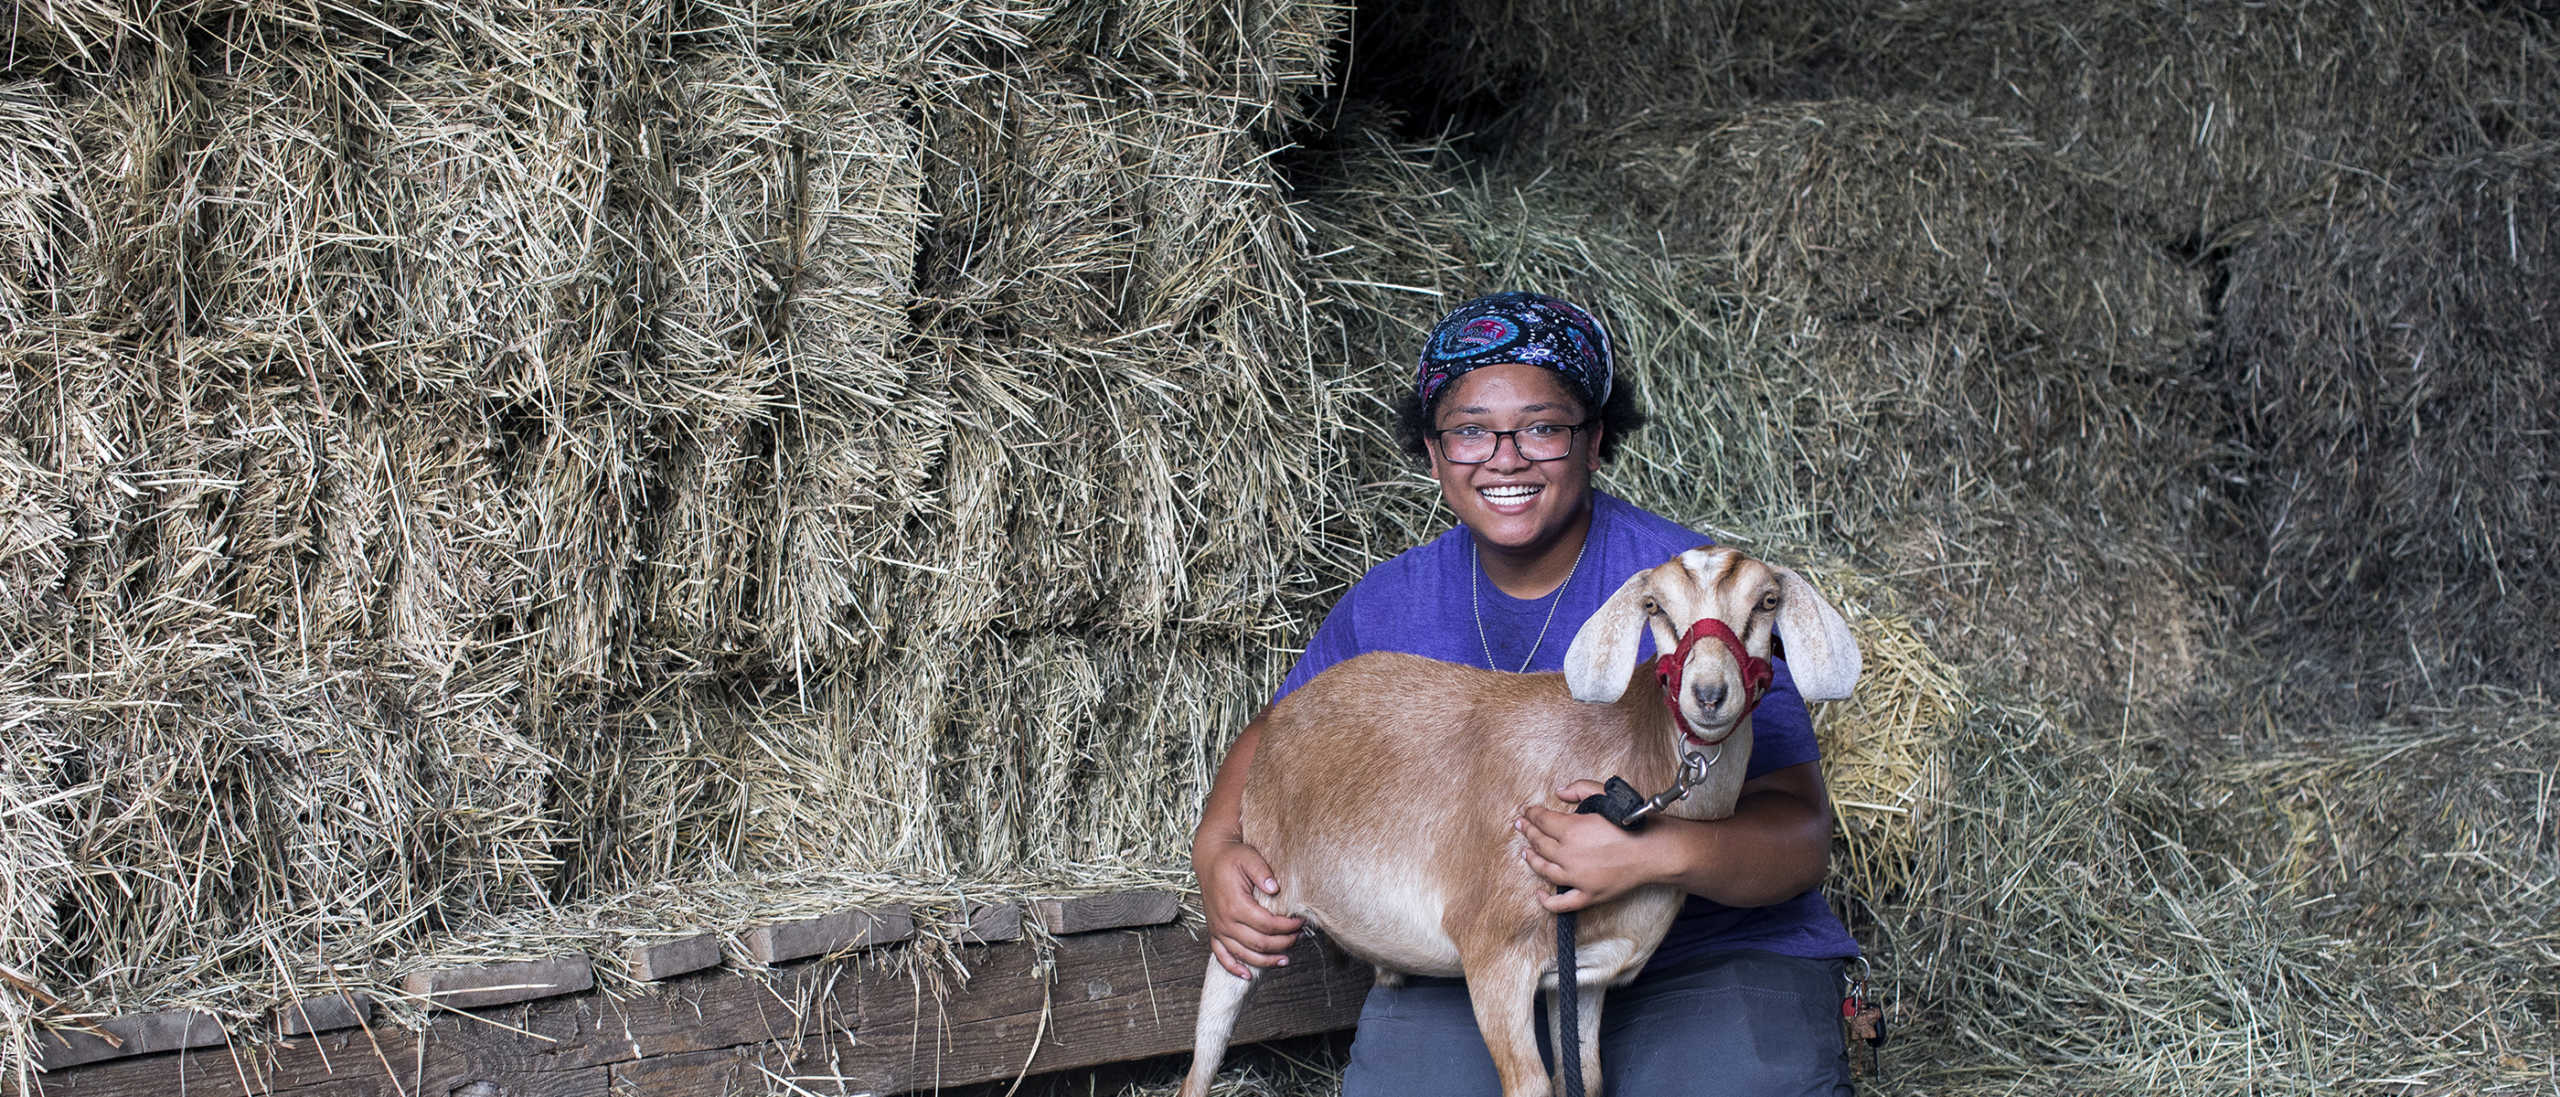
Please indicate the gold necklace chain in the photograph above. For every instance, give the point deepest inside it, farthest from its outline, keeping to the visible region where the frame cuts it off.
(1475, 601)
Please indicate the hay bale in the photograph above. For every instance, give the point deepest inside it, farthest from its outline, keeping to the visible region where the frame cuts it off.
(427, 532)
(2216, 114)
(1116, 483)
(67, 410)
(1268, 52)
(1883, 750)
(274, 204)
(1092, 752)
(1009, 757)
(693, 785)
(698, 558)
(267, 826)
(845, 543)
(35, 853)
(1074, 199)
(584, 499)
(501, 252)
(1904, 213)
(131, 135)
(858, 409)
(43, 225)
(1100, 755)
(151, 456)
(2390, 359)
(2081, 923)
(1536, 78)
(35, 539)
(229, 204)
(2421, 843)
(89, 38)
(1985, 371)
(2119, 911)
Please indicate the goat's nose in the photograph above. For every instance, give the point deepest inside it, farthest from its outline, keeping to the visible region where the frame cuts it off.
(1711, 696)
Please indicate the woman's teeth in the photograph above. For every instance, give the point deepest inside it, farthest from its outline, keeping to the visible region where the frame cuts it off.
(1510, 493)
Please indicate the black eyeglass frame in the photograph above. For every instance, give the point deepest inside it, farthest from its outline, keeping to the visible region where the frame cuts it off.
(1572, 430)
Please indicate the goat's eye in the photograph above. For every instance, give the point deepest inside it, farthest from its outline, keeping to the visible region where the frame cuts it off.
(1651, 606)
(1769, 602)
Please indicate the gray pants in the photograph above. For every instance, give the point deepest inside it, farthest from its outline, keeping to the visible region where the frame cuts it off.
(1743, 1023)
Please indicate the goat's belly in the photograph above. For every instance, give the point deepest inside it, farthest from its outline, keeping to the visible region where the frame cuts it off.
(1392, 926)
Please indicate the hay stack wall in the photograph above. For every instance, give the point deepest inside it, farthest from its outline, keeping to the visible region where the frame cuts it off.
(464, 463)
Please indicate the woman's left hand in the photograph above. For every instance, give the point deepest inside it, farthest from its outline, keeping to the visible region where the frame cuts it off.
(1591, 856)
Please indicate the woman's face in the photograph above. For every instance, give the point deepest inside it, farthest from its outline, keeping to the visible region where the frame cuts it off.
(1512, 503)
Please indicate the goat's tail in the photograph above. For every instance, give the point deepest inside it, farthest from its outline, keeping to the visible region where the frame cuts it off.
(1222, 997)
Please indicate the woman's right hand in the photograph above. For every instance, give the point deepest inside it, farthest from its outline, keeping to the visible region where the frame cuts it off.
(1243, 934)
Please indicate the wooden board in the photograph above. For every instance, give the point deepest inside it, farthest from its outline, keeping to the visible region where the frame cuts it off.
(325, 1013)
(1117, 910)
(668, 959)
(862, 1023)
(119, 1037)
(485, 985)
(992, 922)
(806, 937)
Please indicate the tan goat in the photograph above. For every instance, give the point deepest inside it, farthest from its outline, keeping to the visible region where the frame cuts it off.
(1383, 791)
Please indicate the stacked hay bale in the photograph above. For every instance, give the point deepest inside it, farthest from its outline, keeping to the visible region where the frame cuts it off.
(2215, 114)
(2390, 359)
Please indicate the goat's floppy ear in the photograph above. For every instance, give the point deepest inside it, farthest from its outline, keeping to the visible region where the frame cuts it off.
(1821, 653)
(1603, 654)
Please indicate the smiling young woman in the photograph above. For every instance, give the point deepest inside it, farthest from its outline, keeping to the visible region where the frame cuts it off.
(1506, 447)
(1515, 407)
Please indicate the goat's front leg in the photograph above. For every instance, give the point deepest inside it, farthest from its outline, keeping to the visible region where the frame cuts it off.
(1504, 990)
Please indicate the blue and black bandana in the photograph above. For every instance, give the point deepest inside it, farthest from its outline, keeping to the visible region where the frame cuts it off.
(1529, 328)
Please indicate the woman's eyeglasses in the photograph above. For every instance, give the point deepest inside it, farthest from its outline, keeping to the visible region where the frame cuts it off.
(1474, 445)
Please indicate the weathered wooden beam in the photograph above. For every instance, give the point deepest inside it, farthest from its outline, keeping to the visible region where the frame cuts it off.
(668, 959)
(1118, 910)
(806, 937)
(990, 923)
(862, 1023)
(325, 1013)
(119, 1037)
(484, 985)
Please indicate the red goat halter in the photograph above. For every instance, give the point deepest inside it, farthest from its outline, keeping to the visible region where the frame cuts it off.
(1756, 673)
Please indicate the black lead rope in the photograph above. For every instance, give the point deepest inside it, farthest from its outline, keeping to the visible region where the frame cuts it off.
(1623, 805)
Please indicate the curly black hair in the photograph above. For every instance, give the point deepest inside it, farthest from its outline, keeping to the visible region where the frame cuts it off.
(1619, 418)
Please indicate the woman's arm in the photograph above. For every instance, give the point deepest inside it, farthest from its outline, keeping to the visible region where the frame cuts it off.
(1775, 846)
(1243, 934)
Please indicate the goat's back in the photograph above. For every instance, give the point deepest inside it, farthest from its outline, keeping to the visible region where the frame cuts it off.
(1382, 792)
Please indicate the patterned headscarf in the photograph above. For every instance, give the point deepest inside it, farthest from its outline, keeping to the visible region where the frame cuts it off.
(1529, 328)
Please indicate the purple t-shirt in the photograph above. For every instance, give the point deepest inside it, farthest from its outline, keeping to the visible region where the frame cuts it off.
(1419, 602)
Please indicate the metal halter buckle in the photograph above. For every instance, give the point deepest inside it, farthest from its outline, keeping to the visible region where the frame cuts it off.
(1693, 769)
